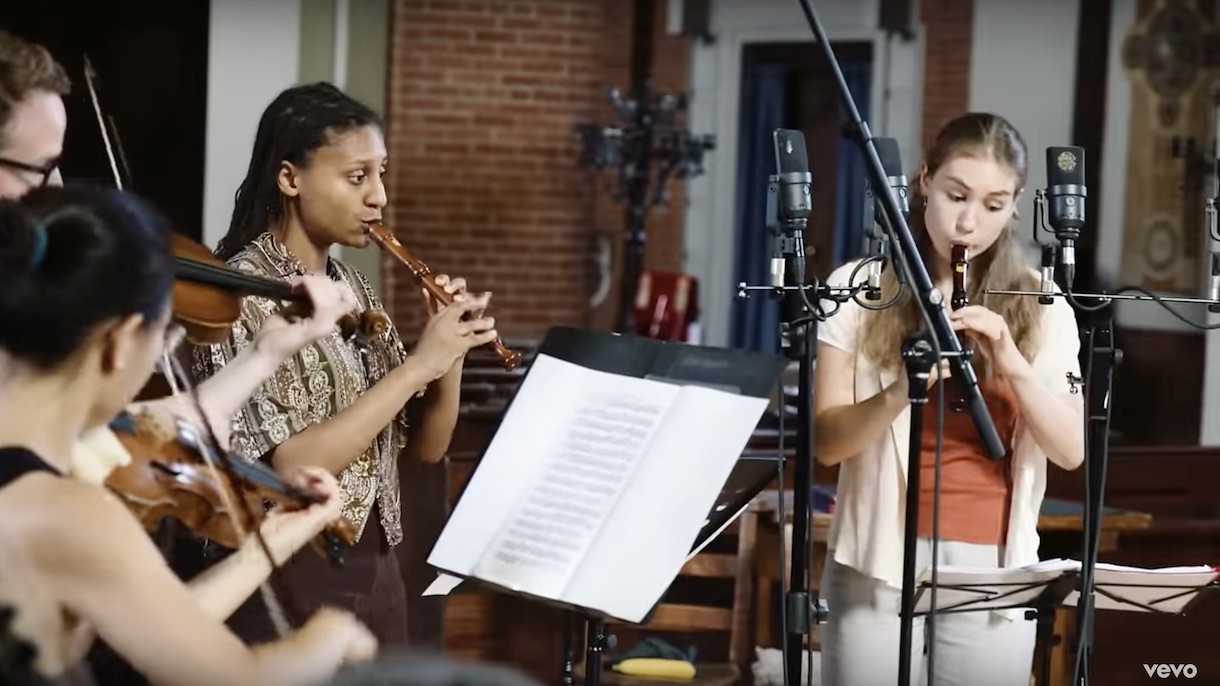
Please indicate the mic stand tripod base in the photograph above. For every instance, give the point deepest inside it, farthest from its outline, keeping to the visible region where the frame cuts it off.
(919, 358)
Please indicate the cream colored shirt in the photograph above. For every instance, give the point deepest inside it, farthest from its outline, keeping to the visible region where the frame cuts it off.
(866, 532)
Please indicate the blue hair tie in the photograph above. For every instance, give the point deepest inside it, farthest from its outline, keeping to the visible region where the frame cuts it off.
(39, 252)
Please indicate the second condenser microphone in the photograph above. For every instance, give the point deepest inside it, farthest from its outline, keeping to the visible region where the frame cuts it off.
(876, 240)
(1065, 196)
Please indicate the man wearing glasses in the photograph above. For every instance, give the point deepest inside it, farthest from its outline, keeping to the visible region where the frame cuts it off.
(33, 120)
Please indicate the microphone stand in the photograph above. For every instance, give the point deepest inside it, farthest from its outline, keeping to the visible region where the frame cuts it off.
(787, 213)
(798, 339)
(921, 352)
(1097, 378)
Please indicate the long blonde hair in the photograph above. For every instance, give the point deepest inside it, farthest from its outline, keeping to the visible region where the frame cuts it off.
(1005, 266)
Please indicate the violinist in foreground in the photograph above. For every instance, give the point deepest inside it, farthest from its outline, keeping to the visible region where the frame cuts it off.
(85, 282)
(33, 122)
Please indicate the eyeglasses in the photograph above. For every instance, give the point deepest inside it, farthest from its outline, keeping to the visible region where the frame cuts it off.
(44, 173)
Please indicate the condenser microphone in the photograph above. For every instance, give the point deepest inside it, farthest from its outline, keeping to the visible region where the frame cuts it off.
(891, 163)
(790, 196)
(1065, 194)
(877, 245)
(791, 199)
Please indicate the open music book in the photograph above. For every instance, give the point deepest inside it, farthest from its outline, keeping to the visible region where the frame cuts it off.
(1116, 587)
(595, 487)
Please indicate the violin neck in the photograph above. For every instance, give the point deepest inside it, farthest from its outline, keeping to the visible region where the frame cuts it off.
(223, 277)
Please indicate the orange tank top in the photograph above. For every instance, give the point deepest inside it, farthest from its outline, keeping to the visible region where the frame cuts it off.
(976, 491)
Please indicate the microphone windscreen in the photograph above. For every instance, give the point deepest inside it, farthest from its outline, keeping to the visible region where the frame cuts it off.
(891, 160)
(790, 154)
(1065, 166)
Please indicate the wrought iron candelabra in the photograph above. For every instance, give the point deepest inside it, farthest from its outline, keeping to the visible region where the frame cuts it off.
(646, 146)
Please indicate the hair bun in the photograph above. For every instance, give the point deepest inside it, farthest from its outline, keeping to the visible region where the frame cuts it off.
(23, 244)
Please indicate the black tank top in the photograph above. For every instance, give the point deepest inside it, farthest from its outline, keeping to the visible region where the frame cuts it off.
(16, 462)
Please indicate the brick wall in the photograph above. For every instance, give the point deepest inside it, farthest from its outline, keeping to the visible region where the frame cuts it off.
(949, 33)
(485, 179)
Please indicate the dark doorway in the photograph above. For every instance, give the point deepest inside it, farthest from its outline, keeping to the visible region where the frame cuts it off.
(151, 59)
(788, 86)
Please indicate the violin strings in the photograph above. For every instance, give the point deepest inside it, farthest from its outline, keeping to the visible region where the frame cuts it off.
(275, 609)
(216, 275)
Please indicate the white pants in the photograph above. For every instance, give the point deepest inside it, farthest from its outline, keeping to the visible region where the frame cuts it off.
(860, 640)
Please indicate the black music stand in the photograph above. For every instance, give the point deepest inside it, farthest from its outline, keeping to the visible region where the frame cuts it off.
(1039, 597)
(736, 372)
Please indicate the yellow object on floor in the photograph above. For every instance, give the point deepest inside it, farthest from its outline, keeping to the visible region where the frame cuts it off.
(655, 667)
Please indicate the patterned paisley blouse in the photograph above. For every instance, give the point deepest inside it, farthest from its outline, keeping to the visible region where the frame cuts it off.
(315, 384)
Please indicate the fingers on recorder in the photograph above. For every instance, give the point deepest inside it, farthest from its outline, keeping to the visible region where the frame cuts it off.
(460, 308)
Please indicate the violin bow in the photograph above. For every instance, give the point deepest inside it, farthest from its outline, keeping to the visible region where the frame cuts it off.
(181, 386)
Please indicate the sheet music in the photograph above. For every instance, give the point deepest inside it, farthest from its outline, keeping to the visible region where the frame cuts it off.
(1117, 587)
(526, 469)
(442, 585)
(590, 460)
(980, 588)
(1168, 589)
(643, 546)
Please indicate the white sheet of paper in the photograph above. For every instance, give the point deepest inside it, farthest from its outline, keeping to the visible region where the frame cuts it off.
(619, 563)
(519, 459)
(1167, 589)
(977, 588)
(600, 434)
(645, 544)
(443, 585)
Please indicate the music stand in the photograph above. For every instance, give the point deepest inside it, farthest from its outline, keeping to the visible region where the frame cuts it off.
(492, 535)
(750, 476)
(1172, 591)
(1043, 592)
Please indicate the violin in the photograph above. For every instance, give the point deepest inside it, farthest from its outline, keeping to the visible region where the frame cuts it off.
(385, 239)
(170, 476)
(208, 293)
(187, 476)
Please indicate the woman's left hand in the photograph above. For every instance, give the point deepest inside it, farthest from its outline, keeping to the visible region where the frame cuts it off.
(991, 332)
(456, 288)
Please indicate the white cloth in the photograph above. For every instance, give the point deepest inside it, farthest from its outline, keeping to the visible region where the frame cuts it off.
(866, 532)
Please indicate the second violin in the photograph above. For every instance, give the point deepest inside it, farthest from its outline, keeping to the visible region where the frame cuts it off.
(169, 476)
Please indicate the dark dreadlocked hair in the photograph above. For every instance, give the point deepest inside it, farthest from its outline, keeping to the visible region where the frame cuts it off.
(300, 120)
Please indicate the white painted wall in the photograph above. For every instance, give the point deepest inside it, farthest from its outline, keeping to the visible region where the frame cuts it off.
(1022, 67)
(715, 94)
(253, 54)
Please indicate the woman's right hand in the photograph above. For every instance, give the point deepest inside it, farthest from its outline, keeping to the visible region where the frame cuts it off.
(902, 384)
(342, 630)
(282, 338)
(447, 338)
